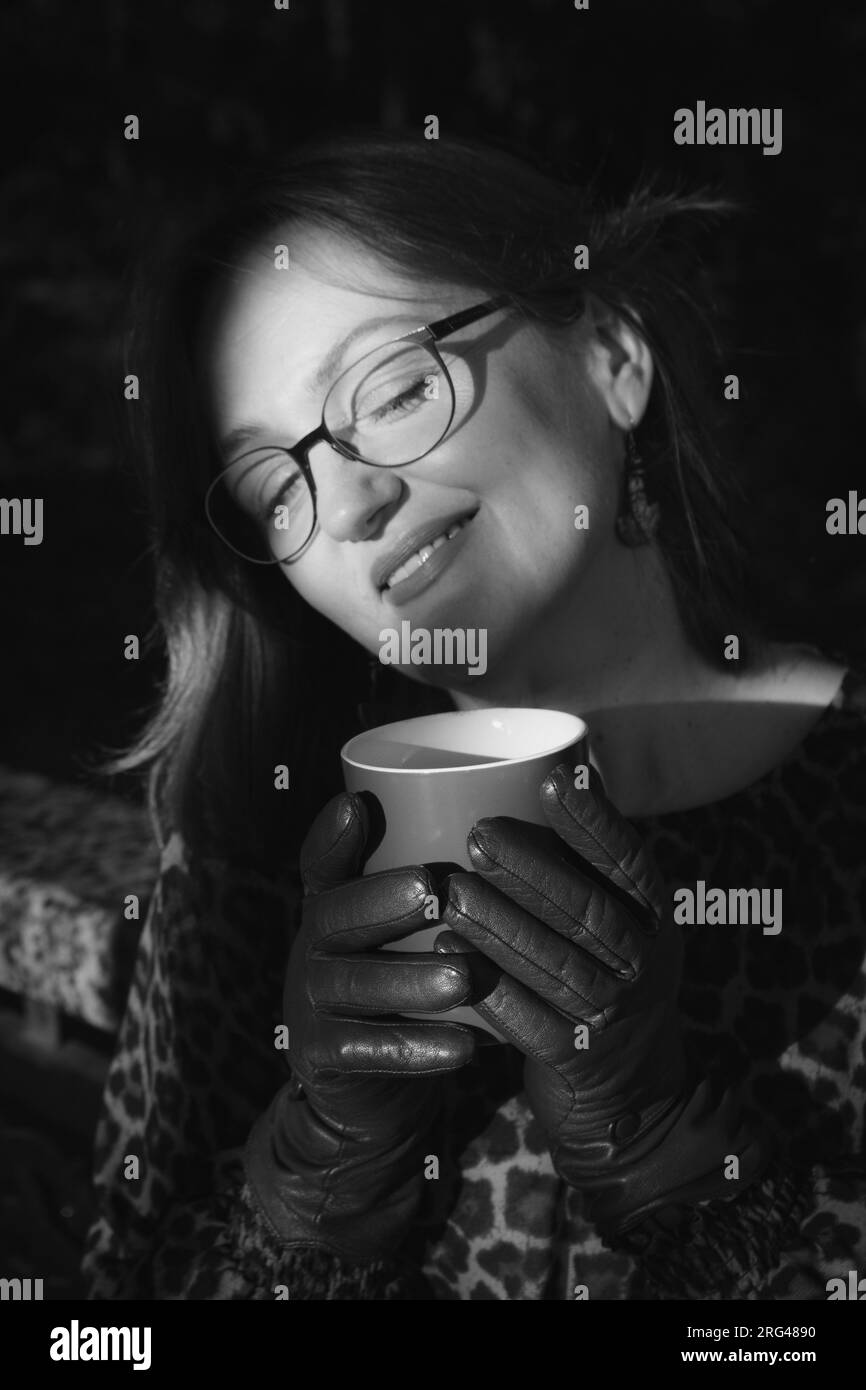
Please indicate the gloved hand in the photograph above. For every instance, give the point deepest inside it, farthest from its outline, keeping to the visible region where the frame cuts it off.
(591, 961)
(337, 1160)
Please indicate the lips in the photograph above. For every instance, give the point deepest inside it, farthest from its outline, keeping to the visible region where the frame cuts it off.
(413, 541)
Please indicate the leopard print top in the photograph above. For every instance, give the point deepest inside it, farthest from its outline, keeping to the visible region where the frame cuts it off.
(782, 1015)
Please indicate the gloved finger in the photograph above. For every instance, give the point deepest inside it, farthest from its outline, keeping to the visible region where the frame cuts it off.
(333, 848)
(388, 982)
(554, 969)
(525, 862)
(535, 1028)
(591, 825)
(401, 1048)
(448, 942)
(366, 912)
(484, 973)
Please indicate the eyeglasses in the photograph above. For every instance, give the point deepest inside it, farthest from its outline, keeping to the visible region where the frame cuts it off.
(391, 407)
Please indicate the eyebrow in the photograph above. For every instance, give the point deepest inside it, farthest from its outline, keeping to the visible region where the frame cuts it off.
(325, 373)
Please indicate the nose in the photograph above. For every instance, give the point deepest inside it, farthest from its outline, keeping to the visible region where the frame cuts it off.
(350, 496)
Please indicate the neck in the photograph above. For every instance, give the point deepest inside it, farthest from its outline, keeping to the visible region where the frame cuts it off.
(618, 656)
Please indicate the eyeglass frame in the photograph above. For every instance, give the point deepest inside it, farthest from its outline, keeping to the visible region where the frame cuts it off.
(428, 335)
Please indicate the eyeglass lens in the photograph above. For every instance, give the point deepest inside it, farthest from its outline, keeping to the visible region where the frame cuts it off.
(391, 408)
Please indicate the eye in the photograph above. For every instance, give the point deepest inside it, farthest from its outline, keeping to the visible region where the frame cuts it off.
(387, 387)
(283, 494)
(262, 479)
(407, 399)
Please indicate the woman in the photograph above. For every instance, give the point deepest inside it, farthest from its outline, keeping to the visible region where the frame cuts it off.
(678, 1108)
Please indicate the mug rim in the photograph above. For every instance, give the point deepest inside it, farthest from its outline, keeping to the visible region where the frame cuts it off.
(558, 746)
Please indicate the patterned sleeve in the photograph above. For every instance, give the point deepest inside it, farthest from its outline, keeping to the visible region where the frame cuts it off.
(194, 1067)
(798, 1233)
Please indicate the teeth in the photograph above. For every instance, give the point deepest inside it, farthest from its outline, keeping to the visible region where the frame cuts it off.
(422, 556)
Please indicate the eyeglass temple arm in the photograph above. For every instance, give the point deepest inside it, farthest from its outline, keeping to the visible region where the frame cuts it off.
(443, 327)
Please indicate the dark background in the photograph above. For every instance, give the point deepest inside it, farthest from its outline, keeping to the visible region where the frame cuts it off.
(230, 81)
(219, 83)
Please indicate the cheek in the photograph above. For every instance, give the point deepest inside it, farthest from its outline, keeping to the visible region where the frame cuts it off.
(556, 503)
(551, 424)
(573, 474)
(556, 486)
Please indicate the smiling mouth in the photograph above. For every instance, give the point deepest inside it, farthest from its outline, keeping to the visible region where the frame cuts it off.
(423, 554)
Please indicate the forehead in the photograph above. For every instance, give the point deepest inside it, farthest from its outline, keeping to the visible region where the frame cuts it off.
(270, 332)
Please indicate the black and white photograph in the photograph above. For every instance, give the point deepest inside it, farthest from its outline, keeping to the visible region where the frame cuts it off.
(433, 617)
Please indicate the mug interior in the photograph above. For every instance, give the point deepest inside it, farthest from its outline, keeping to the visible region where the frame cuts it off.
(463, 738)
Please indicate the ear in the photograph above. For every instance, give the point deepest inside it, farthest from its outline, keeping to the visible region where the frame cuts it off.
(620, 364)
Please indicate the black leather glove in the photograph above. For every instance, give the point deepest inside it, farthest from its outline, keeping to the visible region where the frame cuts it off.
(337, 1160)
(591, 957)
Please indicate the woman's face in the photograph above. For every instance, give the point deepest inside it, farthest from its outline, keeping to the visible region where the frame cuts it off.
(533, 438)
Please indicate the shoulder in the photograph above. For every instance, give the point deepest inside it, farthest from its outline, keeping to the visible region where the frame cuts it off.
(822, 780)
(850, 697)
(838, 725)
(811, 703)
(797, 676)
(190, 873)
(214, 946)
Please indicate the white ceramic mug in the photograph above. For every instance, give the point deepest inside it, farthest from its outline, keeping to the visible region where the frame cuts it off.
(434, 777)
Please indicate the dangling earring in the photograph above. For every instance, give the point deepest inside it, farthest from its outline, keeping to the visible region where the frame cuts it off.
(639, 518)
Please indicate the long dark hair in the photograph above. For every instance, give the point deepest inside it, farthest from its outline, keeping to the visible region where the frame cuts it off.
(255, 679)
